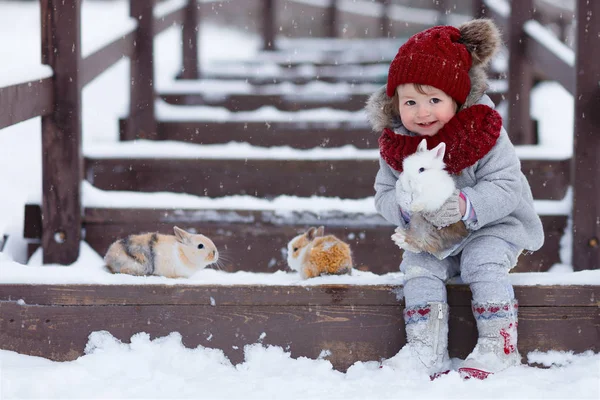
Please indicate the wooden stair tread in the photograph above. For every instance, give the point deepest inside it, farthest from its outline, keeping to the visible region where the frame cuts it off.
(354, 323)
(254, 240)
(216, 177)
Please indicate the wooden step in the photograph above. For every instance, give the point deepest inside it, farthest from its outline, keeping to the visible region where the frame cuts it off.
(352, 322)
(256, 240)
(300, 76)
(283, 102)
(268, 178)
(307, 135)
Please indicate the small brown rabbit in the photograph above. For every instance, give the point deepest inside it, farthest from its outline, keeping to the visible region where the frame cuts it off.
(178, 256)
(313, 254)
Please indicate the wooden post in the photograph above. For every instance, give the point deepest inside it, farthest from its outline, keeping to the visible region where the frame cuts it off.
(520, 75)
(331, 19)
(386, 24)
(440, 5)
(189, 41)
(62, 161)
(269, 16)
(141, 123)
(585, 168)
(478, 8)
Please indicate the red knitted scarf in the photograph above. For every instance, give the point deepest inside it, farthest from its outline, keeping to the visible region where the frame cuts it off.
(466, 143)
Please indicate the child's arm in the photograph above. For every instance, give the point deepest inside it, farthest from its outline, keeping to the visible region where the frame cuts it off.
(497, 192)
(386, 202)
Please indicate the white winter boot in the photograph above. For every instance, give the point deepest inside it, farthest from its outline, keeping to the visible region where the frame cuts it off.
(496, 347)
(427, 336)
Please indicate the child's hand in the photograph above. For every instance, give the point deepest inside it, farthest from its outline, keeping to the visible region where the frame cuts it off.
(448, 213)
(399, 238)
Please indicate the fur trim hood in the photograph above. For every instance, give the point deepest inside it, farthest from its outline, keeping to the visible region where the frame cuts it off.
(482, 39)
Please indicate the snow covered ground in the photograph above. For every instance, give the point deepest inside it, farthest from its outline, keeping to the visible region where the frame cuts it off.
(163, 368)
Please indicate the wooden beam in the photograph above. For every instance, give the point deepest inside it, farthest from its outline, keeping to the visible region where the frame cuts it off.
(283, 102)
(331, 19)
(213, 177)
(552, 65)
(175, 17)
(62, 162)
(189, 41)
(269, 18)
(276, 295)
(304, 323)
(26, 100)
(520, 75)
(97, 62)
(141, 120)
(586, 162)
(257, 240)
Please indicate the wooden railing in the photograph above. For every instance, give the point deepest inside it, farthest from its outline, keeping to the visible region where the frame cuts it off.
(58, 101)
(532, 46)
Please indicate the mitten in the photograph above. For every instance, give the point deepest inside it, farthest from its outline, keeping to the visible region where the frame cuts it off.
(403, 196)
(447, 214)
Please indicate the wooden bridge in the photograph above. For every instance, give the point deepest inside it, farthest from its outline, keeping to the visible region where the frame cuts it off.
(353, 322)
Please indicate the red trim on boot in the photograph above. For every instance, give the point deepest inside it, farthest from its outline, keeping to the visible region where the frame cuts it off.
(438, 374)
(468, 373)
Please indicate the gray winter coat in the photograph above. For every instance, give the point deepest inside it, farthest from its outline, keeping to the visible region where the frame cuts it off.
(495, 185)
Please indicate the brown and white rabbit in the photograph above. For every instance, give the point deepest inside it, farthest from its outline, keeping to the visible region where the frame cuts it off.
(426, 186)
(178, 256)
(314, 254)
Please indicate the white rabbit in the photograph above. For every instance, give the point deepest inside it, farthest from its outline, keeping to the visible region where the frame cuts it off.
(173, 256)
(425, 178)
(424, 186)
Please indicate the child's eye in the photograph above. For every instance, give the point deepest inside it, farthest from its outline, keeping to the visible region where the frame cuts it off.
(435, 100)
(200, 246)
(421, 169)
(410, 103)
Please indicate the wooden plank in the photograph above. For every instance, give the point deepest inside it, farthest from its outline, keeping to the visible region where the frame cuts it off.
(299, 136)
(552, 66)
(97, 62)
(162, 23)
(269, 20)
(331, 74)
(350, 333)
(274, 295)
(62, 162)
(352, 179)
(586, 163)
(141, 120)
(26, 100)
(284, 102)
(189, 41)
(257, 240)
(520, 75)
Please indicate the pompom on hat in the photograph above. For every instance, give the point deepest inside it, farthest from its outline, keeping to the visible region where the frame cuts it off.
(442, 57)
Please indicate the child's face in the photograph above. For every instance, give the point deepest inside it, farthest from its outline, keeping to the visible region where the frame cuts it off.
(424, 113)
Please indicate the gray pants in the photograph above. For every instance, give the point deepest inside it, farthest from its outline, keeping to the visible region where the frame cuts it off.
(483, 264)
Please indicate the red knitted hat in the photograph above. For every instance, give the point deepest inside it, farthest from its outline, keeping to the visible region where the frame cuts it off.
(433, 57)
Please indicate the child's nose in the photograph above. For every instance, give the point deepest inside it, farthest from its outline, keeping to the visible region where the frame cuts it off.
(423, 111)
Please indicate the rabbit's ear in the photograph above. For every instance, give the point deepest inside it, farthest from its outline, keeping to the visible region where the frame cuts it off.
(181, 235)
(422, 146)
(440, 151)
(310, 234)
(320, 231)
